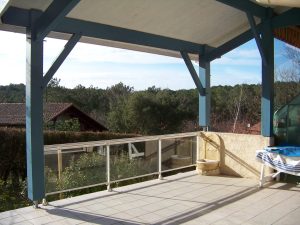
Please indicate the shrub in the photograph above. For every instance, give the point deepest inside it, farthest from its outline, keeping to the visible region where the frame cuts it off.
(13, 147)
(88, 169)
(63, 125)
(12, 196)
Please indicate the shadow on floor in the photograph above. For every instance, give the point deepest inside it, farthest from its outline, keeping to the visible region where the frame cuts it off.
(92, 218)
(113, 193)
(181, 218)
(205, 208)
(209, 207)
(282, 186)
(200, 211)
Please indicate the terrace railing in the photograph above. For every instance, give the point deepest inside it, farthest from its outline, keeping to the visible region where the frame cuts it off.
(76, 166)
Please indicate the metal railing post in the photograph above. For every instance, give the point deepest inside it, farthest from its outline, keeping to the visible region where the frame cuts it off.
(59, 163)
(205, 129)
(130, 150)
(59, 168)
(198, 147)
(159, 160)
(108, 167)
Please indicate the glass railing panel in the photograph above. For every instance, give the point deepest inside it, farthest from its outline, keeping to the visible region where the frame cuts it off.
(133, 159)
(178, 152)
(76, 168)
(51, 171)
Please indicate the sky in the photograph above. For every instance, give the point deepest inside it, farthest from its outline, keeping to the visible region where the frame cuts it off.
(102, 67)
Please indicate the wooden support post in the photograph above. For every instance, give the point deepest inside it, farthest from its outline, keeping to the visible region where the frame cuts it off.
(205, 98)
(267, 108)
(34, 116)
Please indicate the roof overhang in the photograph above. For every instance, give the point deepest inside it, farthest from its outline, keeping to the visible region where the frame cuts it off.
(206, 27)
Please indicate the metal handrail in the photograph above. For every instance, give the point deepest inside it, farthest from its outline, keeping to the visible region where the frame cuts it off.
(59, 149)
(116, 141)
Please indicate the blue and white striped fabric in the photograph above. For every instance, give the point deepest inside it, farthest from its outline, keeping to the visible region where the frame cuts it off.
(279, 162)
(290, 151)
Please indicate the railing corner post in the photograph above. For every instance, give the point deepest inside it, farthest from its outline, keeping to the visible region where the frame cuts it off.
(36, 204)
(44, 202)
(198, 147)
(108, 168)
(159, 160)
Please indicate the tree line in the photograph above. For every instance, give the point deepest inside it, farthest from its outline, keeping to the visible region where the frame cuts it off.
(158, 111)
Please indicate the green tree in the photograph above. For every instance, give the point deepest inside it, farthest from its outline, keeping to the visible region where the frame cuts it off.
(147, 112)
(63, 125)
(12, 93)
(287, 84)
(118, 92)
(83, 171)
(117, 117)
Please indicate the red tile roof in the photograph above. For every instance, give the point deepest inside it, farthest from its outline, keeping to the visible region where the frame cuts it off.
(14, 113)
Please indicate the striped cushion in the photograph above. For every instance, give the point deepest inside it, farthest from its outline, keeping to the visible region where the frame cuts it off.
(281, 163)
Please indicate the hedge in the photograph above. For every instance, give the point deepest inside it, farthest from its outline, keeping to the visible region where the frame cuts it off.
(13, 147)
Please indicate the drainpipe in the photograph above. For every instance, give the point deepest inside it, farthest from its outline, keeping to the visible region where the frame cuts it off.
(288, 3)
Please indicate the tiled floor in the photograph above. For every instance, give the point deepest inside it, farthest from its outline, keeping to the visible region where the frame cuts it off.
(185, 198)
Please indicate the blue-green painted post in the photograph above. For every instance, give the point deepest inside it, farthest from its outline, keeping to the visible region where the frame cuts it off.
(267, 99)
(205, 98)
(34, 115)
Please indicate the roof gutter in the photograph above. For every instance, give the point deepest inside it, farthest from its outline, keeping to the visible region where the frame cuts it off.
(288, 3)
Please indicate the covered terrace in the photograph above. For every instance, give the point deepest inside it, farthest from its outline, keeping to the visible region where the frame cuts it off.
(201, 30)
(185, 198)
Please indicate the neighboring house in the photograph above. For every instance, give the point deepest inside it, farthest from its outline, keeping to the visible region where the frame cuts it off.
(13, 115)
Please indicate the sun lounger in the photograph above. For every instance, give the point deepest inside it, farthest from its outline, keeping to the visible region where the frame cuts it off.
(282, 159)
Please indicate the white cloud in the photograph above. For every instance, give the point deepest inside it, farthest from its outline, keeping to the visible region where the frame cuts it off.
(138, 77)
(102, 54)
(235, 76)
(245, 53)
(12, 58)
(233, 61)
(240, 57)
(92, 65)
(10, 73)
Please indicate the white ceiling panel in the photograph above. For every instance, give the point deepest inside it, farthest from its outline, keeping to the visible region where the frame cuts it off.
(198, 21)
